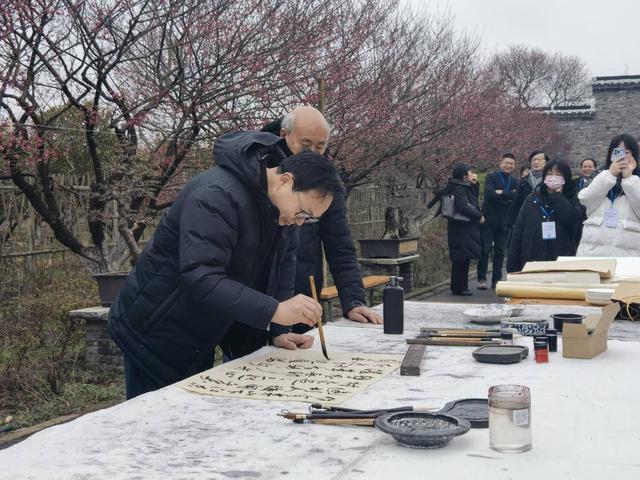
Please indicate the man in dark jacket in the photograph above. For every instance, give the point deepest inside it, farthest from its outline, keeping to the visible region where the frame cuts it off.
(306, 128)
(588, 171)
(537, 160)
(219, 268)
(499, 191)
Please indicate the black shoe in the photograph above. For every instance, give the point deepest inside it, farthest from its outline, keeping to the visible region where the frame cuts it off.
(465, 293)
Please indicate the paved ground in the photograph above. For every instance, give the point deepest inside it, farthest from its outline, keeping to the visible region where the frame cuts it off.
(443, 294)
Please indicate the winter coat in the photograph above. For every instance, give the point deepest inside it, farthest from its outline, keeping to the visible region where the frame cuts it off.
(581, 183)
(464, 238)
(496, 207)
(214, 271)
(598, 240)
(527, 243)
(332, 232)
(524, 190)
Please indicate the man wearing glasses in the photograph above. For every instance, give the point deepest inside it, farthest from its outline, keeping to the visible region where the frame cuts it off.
(305, 128)
(219, 268)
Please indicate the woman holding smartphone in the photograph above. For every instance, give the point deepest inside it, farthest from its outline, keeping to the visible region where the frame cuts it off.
(612, 200)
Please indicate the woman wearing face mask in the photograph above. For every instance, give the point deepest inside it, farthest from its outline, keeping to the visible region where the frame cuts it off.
(612, 200)
(548, 220)
(464, 238)
(537, 161)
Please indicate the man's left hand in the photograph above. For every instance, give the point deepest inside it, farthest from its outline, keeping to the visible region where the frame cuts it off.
(364, 315)
(293, 341)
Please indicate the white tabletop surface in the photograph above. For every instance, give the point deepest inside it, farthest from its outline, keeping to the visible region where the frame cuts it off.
(584, 420)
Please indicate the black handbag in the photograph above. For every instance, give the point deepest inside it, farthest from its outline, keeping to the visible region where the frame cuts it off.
(449, 211)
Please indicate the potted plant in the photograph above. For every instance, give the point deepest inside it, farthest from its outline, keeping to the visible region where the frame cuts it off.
(394, 242)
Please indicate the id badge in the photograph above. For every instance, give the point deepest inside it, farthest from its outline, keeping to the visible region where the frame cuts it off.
(611, 218)
(548, 230)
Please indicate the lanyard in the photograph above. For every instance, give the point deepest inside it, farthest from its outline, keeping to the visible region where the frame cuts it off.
(612, 196)
(581, 184)
(506, 185)
(546, 214)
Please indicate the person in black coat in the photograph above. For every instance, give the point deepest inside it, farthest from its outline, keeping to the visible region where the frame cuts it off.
(220, 266)
(463, 237)
(499, 191)
(548, 220)
(306, 128)
(588, 171)
(537, 161)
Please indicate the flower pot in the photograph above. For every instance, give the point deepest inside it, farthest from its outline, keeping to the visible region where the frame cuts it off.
(108, 286)
(388, 248)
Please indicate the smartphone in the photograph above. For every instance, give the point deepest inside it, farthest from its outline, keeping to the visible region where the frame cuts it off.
(618, 154)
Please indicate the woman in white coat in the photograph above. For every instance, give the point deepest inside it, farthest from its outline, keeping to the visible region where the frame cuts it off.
(612, 200)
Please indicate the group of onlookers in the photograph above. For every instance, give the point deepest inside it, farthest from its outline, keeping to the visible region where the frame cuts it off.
(544, 214)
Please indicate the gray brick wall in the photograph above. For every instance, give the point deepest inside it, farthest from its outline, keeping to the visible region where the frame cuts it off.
(615, 111)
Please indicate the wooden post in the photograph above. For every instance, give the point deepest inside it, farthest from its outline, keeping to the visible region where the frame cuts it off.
(322, 90)
(322, 84)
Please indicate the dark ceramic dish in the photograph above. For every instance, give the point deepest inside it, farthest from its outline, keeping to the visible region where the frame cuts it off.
(502, 354)
(474, 410)
(559, 319)
(421, 429)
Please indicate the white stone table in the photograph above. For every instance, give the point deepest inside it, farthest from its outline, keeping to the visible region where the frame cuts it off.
(584, 419)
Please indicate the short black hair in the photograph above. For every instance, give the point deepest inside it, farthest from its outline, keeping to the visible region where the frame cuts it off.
(524, 167)
(568, 190)
(508, 155)
(538, 152)
(459, 170)
(312, 171)
(595, 164)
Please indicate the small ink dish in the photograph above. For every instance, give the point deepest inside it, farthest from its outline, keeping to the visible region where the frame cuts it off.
(422, 429)
(501, 354)
(474, 410)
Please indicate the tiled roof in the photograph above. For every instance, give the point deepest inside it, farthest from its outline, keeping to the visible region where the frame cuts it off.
(621, 82)
(578, 111)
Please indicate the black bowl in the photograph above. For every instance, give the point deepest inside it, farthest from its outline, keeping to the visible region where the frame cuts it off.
(422, 429)
(559, 319)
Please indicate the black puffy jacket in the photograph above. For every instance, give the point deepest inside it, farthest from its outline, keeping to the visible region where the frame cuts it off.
(214, 271)
(464, 237)
(527, 243)
(332, 232)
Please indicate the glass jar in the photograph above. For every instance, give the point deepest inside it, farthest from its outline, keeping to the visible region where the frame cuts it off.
(510, 418)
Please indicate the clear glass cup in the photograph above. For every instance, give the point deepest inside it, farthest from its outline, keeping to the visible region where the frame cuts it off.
(510, 418)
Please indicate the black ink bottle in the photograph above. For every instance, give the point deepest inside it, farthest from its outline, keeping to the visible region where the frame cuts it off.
(393, 306)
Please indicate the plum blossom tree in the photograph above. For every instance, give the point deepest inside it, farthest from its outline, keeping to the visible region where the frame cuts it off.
(161, 80)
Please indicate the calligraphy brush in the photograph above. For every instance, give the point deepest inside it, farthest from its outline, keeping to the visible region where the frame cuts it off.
(365, 422)
(324, 416)
(319, 408)
(312, 284)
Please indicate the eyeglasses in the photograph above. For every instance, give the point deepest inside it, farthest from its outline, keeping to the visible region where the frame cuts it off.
(306, 218)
